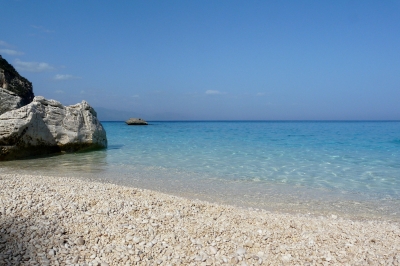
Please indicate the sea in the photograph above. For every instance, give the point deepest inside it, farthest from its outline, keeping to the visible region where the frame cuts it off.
(349, 169)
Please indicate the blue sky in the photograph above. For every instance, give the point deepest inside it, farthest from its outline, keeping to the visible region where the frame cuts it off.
(206, 60)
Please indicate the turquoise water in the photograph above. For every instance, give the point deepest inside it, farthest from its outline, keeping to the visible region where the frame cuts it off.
(282, 165)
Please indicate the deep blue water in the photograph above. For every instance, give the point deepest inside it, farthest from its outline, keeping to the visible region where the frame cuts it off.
(358, 160)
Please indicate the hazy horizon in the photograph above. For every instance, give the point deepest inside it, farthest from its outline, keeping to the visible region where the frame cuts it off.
(211, 60)
(109, 115)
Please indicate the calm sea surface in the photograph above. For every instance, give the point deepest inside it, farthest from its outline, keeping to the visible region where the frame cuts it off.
(346, 168)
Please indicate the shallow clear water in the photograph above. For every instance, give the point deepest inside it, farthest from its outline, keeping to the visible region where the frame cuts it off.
(346, 167)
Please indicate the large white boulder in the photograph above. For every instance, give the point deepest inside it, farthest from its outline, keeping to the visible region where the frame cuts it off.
(46, 126)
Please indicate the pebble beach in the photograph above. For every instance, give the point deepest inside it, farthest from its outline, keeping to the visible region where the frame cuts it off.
(48, 220)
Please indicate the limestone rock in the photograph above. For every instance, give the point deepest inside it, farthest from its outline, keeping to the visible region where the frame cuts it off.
(46, 126)
(15, 90)
(9, 101)
(136, 121)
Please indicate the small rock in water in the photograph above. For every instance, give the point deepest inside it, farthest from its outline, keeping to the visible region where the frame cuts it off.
(135, 121)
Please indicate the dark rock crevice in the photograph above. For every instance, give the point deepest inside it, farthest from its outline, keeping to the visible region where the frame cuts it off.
(13, 83)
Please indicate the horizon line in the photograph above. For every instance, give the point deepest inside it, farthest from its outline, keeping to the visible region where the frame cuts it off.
(267, 120)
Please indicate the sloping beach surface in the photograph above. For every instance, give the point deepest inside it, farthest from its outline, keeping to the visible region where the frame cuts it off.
(61, 221)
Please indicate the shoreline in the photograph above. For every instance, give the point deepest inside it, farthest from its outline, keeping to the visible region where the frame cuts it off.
(280, 198)
(59, 221)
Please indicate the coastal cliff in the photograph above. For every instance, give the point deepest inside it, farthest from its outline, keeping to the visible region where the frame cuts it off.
(32, 126)
(15, 90)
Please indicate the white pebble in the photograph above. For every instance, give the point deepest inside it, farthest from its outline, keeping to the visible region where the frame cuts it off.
(213, 250)
(52, 252)
(240, 251)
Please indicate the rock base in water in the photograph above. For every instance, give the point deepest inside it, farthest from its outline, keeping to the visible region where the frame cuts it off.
(46, 126)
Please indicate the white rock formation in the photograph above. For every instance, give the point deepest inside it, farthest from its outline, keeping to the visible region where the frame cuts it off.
(46, 126)
(9, 101)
